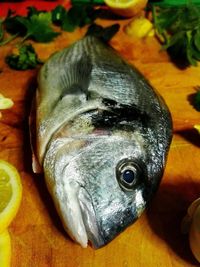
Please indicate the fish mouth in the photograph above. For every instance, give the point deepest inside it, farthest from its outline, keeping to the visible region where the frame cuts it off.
(75, 207)
(89, 219)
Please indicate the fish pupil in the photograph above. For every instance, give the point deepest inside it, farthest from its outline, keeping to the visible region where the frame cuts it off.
(128, 176)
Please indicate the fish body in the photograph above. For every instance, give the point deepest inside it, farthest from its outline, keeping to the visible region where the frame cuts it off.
(103, 134)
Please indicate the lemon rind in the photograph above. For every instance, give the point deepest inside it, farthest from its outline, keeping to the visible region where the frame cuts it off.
(123, 5)
(5, 249)
(8, 214)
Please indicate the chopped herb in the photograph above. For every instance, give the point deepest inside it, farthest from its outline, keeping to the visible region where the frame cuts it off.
(103, 33)
(197, 100)
(1, 30)
(2, 33)
(39, 28)
(14, 25)
(179, 27)
(26, 58)
(36, 26)
(33, 11)
(72, 19)
(58, 15)
(78, 15)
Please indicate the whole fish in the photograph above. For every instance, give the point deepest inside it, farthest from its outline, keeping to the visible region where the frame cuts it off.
(102, 136)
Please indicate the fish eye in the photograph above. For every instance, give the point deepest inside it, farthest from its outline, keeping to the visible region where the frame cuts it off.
(128, 176)
(128, 172)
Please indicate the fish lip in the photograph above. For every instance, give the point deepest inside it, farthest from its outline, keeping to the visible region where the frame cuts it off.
(89, 219)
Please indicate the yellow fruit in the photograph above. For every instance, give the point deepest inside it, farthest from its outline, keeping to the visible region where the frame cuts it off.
(5, 102)
(197, 127)
(10, 193)
(126, 8)
(151, 33)
(140, 27)
(5, 249)
(194, 233)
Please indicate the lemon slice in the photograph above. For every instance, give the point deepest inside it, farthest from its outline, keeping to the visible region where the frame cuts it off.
(5, 249)
(10, 193)
(126, 8)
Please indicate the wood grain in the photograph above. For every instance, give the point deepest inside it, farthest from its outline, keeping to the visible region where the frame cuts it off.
(38, 239)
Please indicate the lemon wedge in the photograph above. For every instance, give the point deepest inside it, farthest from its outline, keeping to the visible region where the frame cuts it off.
(126, 8)
(5, 249)
(140, 27)
(197, 127)
(5, 102)
(10, 193)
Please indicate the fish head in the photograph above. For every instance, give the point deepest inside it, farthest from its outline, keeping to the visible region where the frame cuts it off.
(108, 181)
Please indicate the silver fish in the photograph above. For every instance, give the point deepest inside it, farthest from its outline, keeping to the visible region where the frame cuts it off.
(103, 135)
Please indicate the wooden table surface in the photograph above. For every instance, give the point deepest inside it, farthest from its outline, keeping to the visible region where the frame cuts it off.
(38, 239)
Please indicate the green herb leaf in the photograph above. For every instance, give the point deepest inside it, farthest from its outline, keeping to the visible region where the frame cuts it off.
(197, 39)
(180, 28)
(33, 11)
(190, 54)
(72, 19)
(195, 52)
(1, 30)
(39, 28)
(170, 3)
(77, 16)
(197, 101)
(26, 59)
(15, 25)
(58, 14)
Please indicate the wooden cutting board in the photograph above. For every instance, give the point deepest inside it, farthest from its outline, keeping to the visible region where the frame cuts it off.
(38, 239)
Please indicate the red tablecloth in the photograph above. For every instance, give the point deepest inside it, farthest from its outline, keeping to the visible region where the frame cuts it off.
(20, 7)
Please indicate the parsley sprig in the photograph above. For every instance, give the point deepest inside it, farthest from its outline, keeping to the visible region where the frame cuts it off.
(38, 26)
(1, 30)
(178, 27)
(24, 58)
(78, 15)
(196, 101)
